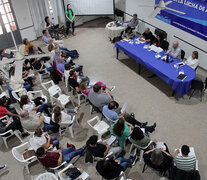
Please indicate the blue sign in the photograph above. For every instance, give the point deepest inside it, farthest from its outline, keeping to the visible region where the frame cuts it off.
(194, 21)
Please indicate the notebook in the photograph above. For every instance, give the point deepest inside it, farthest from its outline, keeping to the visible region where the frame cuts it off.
(110, 140)
(181, 77)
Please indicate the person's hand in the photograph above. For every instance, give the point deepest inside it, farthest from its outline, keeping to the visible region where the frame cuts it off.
(118, 162)
(104, 143)
(131, 126)
(124, 112)
(8, 123)
(177, 151)
(42, 62)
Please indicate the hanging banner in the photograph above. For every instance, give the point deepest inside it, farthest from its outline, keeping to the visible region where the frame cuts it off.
(194, 19)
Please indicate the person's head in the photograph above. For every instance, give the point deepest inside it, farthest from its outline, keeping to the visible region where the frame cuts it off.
(137, 134)
(83, 85)
(72, 74)
(2, 52)
(40, 152)
(31, 50)
(92, 141)
(38, 132)
(156, 157)
(185, 150)
(24, 114)
(97, 88)
(3, 101)
(24, 100)
(50, 41)
(158, 37)
(113, 105)
(25, 41)
(128, 30)
(57, 52)
(106, 164)
(68, 7)
(147, 30)
(175, 44)
(50, 47)
(195, 55)
(44, 32)
(119, 127)
(68, 66)
(60, 59)
(47, 21)
(57, 114)
(134, 16)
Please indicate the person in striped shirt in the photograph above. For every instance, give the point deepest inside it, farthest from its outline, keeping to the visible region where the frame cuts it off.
(184, 161)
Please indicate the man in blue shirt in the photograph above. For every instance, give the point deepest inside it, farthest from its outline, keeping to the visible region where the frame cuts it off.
(133, 22)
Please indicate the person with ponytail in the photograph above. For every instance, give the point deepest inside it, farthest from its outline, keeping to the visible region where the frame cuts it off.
(70, 19)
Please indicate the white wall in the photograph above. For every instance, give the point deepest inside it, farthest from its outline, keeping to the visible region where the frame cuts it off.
(120, 4)
(24, 19)
(132, 6)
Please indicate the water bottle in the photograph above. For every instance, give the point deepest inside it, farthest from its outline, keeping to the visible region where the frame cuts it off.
(122, 24)
(167, 58)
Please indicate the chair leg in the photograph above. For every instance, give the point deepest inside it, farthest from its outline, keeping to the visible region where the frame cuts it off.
(135, 151)
(131, 148)
(79, 99)
(27, 168)
(5, 142)
(141, 155)
(201, 95)
(71, 131)
(17, 135)
(60, 133)
(192, 94)
(77, 122)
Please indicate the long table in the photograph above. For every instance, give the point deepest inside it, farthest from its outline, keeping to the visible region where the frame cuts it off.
(165, 71)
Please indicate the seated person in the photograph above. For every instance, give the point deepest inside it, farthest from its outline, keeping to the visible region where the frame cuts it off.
(158, 159)
(99, 97)
(85, 89)
(139, 138)
(122, 130)
(128, 34)
(7, 124)
(44, 140)
(184, 161)
(56, 158)
(6, 55)
(46, 38)
(27, 44)
(147, 35)
(160, 42)
(133, 22)
(109, 168)
(6, 102)
(175, 50)
(31, 121)
(192, 61)
(49, 23)
(101, 149)
(60, 63)
(72, 80)
(19, 83)
(113, 112)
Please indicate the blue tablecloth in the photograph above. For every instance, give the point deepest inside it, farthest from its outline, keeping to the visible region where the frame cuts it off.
(165, 71)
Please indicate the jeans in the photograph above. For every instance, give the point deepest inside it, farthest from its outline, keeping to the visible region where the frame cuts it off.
(148, 128)
(44, 107)
(69, 111)
(125, 163)
(115, 150)
(68, 26)
(15, 125)
(69, 153)
(28, 86)
(52, 126)
(55, 142)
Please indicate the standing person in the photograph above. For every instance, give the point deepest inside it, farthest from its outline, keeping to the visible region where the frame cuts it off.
(70, 19)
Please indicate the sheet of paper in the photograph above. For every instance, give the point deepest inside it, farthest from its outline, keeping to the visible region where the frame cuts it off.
(110, 140)
(84, 176)
(160, 145)
(124, 107)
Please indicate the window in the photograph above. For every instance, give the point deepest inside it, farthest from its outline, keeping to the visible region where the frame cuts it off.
(7, 16)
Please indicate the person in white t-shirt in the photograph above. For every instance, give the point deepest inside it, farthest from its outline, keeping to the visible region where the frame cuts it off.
(63, 116)
(26, 104)
(44, 140)
(192, 61)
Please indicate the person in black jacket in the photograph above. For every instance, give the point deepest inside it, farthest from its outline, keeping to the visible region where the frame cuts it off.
(110, 168)
(160, 42)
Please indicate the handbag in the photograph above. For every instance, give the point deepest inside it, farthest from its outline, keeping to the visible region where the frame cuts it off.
(73, 173)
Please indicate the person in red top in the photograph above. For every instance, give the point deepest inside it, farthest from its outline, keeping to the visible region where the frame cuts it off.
(56, 158)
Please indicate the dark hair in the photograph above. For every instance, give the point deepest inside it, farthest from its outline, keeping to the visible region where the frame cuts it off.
(40, 151)
(156, 157)
(50, 47)
(1, 51)
(11, 71)
(93, 140)
(119, 127)
(112, 105)
(137, 134)
(127, 29)
(44, 31)
(47, 23)
(67, 66)
(23, 100)
(38, 132)
(106, 165)
(24, 41)
(72, 73)
(135, 15)
(57, 114)
(185, 150)
(196, 54)
(3, 100)
(31, 50)
(96, 88)
(69, 9)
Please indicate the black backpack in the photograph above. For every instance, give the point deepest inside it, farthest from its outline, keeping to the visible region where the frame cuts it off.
(73, 173)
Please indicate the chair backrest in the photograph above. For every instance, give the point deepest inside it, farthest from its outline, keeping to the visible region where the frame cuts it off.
(90, 122)
(47, 176)
(18, 93)
(161, 33)
(46, 83)
(110, 120)
(32, 143)
(197, 85)
(165, 45)
(139, 147)
(182, 54)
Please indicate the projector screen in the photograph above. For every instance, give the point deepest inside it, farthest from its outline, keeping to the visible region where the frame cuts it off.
(91, 7)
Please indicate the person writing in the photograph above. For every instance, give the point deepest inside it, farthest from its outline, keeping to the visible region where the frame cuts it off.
(147, 35)
(70, 19)
(128, 34)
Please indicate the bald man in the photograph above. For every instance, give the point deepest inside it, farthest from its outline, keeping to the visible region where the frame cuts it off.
(148, 36)
(175, 50)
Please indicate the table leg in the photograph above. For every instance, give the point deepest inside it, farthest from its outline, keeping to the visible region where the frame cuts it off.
(117, 53)
(173, 93)
(139, 69)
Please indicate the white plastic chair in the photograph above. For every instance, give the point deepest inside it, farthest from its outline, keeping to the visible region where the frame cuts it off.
(101, 127)
(45, 72)
(109, 120)
(57, 167)
(8, 134)
(68, 125)
(18, 93)
(18, 151)
(140, 148)
(33, 94)
(47, 176)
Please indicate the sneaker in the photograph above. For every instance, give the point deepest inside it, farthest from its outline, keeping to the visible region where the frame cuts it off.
(154, 125)
(76, 110)
(132, 115)
(131, 157)
(112, 88)
(144, 124)
(134, 160)
(3, 167)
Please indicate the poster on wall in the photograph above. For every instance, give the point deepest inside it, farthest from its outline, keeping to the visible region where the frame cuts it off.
(194, 19)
